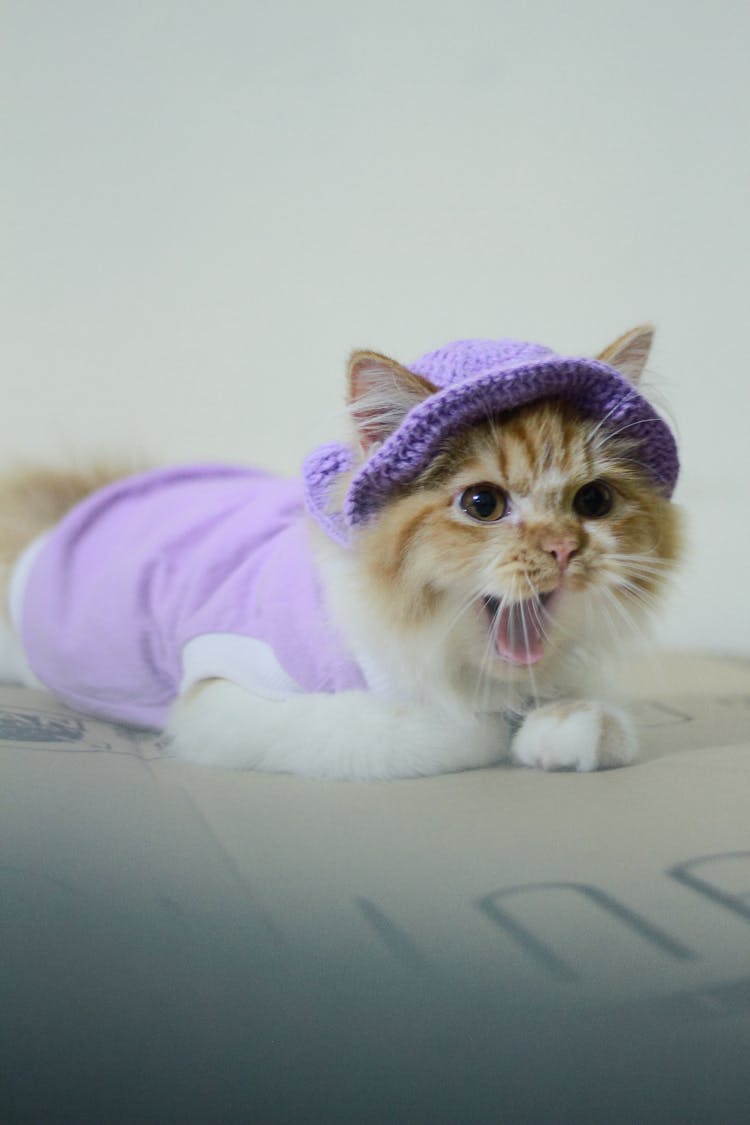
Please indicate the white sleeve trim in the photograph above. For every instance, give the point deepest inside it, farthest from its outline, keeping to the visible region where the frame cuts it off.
(245, 661)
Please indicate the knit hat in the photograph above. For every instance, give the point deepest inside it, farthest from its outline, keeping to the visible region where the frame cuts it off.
(477, 379)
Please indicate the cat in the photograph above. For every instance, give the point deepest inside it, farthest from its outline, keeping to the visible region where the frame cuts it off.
(439, 600)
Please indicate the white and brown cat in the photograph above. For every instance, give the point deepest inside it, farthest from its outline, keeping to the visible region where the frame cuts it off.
(477, 601)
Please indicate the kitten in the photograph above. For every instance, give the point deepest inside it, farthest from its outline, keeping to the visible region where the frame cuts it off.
(501, 522)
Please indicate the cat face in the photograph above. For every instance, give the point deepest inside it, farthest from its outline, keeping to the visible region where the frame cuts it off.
(530, 536)
(537, 529)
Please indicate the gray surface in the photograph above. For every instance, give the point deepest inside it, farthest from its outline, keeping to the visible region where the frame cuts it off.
(187, 945)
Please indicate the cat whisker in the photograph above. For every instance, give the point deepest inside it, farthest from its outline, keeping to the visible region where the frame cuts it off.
(612, 434)
(529, 667)
(637, 462)
(484, 681)
(645, 557)
(638, 570)
(641, 576)
(601, 424)
(650, 582)
(616, 603)
(649, 603)
(522, 603)
(640, 579)
(636, 583)
(538, 608)
(636, 578)
(463, 608)
(604, 614)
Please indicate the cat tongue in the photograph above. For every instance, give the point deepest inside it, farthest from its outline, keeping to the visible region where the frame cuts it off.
(518, 632)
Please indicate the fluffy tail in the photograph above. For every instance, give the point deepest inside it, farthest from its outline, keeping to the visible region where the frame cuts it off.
(33, 499)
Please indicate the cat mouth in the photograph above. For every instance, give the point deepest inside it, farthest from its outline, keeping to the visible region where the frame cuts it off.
(519, 629)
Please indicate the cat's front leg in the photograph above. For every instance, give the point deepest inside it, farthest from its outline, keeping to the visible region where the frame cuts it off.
(349, 735)
(575, 735)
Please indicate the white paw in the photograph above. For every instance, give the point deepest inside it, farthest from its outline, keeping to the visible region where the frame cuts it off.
(578, 735)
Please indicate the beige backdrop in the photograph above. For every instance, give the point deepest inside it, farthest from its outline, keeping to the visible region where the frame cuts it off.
(206, 205)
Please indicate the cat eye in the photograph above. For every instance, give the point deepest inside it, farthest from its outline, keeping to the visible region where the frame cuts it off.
(594, 500)
(484, 502)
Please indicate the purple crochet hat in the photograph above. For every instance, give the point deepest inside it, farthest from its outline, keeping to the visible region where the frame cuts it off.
(476, 379)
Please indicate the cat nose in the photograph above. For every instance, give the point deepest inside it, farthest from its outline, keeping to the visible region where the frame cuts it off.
(562, 548)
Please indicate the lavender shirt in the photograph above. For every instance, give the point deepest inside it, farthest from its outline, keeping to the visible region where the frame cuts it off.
(174, 576)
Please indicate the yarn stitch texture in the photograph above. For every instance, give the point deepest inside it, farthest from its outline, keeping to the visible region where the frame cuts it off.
(477, 379)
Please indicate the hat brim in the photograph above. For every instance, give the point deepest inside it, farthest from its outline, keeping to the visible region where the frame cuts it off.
(595, 389)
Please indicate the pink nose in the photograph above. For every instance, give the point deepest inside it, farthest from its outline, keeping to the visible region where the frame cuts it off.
(562, 550)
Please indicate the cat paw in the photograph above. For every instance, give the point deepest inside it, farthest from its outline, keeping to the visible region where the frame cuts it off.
(578, 735)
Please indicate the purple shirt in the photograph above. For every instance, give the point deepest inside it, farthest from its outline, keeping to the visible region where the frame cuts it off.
(177, 575)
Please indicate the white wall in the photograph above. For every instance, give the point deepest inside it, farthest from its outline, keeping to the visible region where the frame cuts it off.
(205, 205)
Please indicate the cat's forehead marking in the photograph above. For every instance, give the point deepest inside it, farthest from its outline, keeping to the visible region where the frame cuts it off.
(552, 480)
(537, 453)
(540, 449)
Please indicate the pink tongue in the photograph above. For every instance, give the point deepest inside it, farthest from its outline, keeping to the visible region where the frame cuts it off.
(518, 633)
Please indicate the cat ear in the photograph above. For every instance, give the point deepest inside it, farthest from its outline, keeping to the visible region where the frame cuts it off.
(381, 394)
(629, 353)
